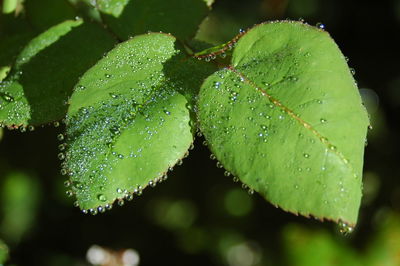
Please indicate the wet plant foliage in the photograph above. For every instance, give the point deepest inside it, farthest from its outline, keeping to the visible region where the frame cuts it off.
(277, 105)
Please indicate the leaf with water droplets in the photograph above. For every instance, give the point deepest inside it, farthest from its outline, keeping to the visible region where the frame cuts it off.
(131, 17)
(130, 120)
(287, 119)
(46, 70)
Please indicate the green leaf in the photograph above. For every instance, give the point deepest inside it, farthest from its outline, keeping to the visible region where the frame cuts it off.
(317, 247)
(131, 17)
(43, 14)
(46, 71)
(286, 118)
(20, 196)
(129, 120)
(3, 252)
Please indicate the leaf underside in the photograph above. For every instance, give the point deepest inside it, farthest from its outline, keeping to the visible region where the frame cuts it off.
(130, 120)
(286, 118)
(46, 70)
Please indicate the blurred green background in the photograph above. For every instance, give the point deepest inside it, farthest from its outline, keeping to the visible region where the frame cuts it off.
(199, 216)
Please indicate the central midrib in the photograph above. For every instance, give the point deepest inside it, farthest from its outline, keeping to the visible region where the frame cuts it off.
(288, 111)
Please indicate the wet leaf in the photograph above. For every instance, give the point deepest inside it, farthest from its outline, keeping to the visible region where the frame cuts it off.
(37, 89)
(129, 120)
(127, 18)
(286, 118)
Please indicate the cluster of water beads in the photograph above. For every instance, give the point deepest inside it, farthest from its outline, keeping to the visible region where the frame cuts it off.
(345, 228)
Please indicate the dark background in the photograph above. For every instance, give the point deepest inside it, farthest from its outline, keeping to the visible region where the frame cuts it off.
(187, 220)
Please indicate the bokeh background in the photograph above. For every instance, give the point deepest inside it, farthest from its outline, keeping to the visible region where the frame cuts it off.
(199, 216)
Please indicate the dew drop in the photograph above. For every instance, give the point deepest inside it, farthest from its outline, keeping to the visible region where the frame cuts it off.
(320, 26)
(129, 197)
(121, 202)
(69, 193)
(101, 209)
(93, 211)
(219, 165)
(306, 155)
(212, 157)
(60, 137)
(61, 156)
(322, 120)
(101, 197)
(31, 128)
(345, 229)
(227, 173)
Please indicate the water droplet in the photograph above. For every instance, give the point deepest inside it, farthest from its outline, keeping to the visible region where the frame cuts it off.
(22, 129)
(119, 190)
(219, 165)
(93, 211)
(113, 95)
(69, 193)
(31, 128)
(322, 120)
(205, 142)
(320, 26)
(250, 191)
(67, 183)
(56, 124)
(107, 76)
(345, 228)
(101, 197)
(227, 173)
(332, 147)
(129, 197)
(306, 155)
(152, 183)
(7, 97)
(63, 171)
(121, 202)
(353, 71)
(212, 157)
(108, 206)
(101, 209)
(60, 137)
(241, 31)
(235, 179)
(61, 156)
(76, 204)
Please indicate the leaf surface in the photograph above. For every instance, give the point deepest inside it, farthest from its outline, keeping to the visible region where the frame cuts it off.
(286, 118)
(127, 18)
(129, 120)
(46, 70)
